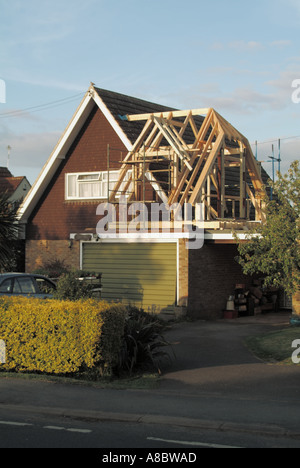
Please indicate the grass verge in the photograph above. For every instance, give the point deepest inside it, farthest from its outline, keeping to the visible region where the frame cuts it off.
(274, 346)
(145, 381)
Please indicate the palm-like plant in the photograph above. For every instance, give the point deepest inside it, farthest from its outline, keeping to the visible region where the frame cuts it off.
(142, 343)
(8, 229)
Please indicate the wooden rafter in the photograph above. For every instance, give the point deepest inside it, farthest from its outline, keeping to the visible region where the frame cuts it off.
(196, 151)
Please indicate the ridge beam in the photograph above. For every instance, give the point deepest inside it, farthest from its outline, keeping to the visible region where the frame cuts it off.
(165, 115)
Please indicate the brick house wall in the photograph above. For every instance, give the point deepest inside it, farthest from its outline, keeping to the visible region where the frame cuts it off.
(54, 218)
(213, 274)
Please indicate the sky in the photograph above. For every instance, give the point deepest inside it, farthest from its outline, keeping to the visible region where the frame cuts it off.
(242, 58)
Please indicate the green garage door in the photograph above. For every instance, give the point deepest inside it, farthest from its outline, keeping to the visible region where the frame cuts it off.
(143, 274)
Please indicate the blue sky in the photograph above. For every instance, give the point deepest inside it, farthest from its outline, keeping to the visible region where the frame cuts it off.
(238, 57)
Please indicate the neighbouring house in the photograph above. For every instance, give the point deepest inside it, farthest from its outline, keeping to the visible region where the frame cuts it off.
(16, 188)
(121, 148)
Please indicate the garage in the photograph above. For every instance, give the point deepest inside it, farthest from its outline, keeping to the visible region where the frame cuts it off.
(142, 274)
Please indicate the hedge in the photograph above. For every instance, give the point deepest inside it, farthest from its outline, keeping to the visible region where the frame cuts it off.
(60, 337)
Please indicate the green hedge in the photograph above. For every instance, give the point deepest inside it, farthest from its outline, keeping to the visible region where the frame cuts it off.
(60, 337)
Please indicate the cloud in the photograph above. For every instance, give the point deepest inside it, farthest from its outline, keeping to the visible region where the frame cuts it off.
(281, 43)
(49, 83)
(250, 46)
(241, 100)
(241, 46)
(242, 91)
(31, 149)
(245, 46)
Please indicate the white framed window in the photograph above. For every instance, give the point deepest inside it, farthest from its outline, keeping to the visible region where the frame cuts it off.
(92, 185)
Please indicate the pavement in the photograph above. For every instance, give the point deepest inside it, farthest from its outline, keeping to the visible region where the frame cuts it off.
(212, 381)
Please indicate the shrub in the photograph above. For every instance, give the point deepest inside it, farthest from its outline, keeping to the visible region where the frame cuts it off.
(53, 268)
(142, 343)
(60, 337)
(70, 288)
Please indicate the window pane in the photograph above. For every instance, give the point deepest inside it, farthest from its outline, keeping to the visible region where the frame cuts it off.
(6, 286)
(89, 190)
(44, 285)
(88, 177)
(72, 182)
(90, 185)
(26, 285)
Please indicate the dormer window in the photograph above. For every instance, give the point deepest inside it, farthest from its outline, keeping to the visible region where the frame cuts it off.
(91, 185)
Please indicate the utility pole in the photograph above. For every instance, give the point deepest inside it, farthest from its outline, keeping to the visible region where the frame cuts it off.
(8, 155)
(273, 164)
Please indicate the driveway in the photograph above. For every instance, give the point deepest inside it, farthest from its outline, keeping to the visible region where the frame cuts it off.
(211, 357)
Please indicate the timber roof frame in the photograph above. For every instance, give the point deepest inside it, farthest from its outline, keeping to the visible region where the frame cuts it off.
(129, 117)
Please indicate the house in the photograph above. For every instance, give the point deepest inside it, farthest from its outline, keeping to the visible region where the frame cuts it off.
(16, 188)
(123, 150)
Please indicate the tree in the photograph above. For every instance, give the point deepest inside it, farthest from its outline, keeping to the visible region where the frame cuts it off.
(272, 249)
(8, 231)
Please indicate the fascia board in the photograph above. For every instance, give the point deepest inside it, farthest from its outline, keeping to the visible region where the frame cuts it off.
(56, 157)
(228, 236)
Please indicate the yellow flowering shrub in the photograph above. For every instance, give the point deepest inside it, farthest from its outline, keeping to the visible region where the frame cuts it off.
(60, 337)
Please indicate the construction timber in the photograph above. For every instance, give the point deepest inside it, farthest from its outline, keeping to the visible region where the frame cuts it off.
(187, 157)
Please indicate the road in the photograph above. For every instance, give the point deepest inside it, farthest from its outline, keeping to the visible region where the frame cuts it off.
(215, 394)
(22, 429)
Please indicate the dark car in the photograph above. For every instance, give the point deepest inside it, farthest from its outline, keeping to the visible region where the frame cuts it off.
(25, 284)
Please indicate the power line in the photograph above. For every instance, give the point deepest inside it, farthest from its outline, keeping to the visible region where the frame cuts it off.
(274, 140)
(41, 107)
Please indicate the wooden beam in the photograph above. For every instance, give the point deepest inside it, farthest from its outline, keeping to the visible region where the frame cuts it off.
(207, 167)
(181, 152)
(183, 113)
(223, 202)
(125, 167)
(242, 184)
(201, 135)
(199, 164)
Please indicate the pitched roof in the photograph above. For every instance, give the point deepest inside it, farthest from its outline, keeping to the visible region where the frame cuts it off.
(9, 185)
(115, 107)
(4, 172)
(121, 105)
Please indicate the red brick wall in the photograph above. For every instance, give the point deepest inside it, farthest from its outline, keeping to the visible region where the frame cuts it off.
(55, 218)
(213, 274)
(41, 252)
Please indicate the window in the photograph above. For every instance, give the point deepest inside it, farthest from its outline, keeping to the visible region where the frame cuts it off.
(44, 285)
(92, 185)
(6, 286)
(24, 286)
